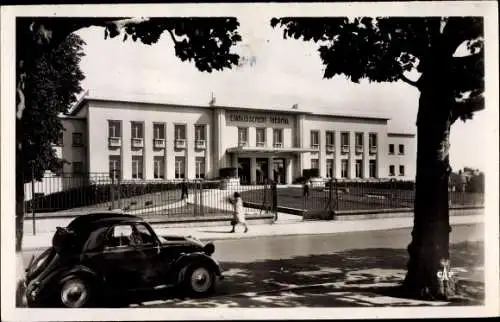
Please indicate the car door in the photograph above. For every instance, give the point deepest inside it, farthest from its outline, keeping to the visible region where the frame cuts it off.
(124, 263)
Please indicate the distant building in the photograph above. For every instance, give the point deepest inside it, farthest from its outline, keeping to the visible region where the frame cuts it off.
(154, 140)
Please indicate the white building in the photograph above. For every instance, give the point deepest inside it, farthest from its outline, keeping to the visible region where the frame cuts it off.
(152, 140)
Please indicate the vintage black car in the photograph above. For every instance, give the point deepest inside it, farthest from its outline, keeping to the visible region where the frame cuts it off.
(101, 254)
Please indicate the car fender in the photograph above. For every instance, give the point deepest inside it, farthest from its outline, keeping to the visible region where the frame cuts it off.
(83, 271)
(185, 261)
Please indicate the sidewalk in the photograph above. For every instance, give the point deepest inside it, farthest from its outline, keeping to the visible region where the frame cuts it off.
(286, 225)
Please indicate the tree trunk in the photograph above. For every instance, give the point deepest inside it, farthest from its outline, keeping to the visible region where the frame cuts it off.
(19, 214)
(428, 266)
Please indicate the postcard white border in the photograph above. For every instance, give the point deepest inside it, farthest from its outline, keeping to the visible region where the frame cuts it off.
(487, 9)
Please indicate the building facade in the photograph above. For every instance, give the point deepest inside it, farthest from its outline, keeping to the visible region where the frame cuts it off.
(147, 141)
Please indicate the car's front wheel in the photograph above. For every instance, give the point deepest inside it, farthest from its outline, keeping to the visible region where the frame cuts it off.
(199, 280)
(75, 293)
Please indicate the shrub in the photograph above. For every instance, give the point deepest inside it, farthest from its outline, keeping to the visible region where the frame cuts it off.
(310, 173)
(228, 173)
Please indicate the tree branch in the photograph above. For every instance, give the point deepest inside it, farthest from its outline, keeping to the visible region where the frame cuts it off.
(408, 81)
(172, 36)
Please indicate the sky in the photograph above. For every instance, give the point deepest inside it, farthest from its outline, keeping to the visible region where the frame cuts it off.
(282, 73)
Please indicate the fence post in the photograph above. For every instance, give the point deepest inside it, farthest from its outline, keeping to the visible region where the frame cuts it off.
(201, 199)
(112, 189)
(33, 197)
(336, 195)
(195, 200)
(118, 190)
(275, 199)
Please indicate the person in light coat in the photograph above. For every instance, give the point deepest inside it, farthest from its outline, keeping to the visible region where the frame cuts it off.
(238, 213)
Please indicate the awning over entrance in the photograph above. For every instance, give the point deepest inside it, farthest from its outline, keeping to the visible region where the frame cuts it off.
(270, 151)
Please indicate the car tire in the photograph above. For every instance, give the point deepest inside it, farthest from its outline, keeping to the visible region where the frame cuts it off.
(199, 280)
(75, 292)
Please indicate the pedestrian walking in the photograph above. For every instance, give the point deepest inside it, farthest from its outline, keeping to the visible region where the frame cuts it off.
(238, 214)
(184, 190)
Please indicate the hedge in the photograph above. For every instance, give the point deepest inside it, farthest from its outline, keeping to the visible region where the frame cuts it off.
(95, 194)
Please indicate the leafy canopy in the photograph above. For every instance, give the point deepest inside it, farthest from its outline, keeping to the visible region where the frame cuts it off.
(205, 41)
(383, 49)
(51, 88)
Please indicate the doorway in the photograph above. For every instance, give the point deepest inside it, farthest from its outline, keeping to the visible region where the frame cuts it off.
(262, 170)
(279, 173)
(244, 170)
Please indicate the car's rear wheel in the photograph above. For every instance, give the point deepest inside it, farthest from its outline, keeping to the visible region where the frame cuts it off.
(75, 293)
(199, 280)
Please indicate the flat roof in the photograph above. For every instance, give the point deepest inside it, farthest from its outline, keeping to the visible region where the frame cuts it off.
(86, 97)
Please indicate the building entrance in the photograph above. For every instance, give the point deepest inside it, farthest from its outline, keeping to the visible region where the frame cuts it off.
(244, 170)
(279, 173)
(262, 170)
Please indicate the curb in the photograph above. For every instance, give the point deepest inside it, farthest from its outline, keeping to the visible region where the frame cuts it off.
(246, 236)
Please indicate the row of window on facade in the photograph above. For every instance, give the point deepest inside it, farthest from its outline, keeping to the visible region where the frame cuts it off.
(159, 134)
(401, 149)
(158, 167)
(344, 168)
(392, 170)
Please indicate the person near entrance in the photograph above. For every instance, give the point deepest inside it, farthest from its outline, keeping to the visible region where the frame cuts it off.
(184, 190)
(306, 189)
(239, 214)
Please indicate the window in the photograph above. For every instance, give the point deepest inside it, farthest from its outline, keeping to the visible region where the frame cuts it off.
(77, 139)
(128, 235)
(373, 168)
(200, 167)
(242, 136)
(372, 138)
(344, 168)
(344, 141)
(77, 167)
(137, 128)
(199, 133)
(180, 167)
(159, 167)
(329, 168)
(401, 149)
(391, 170)
(277, 137)
(330, 138)
(359, 139)
(137, 167)
(315, 139)
(114, 129)
(180, 131)
(391, 148)
(159, 131)
(260, 136)
(114, 166)
(401, 170)
(359, 169)
(314, 163)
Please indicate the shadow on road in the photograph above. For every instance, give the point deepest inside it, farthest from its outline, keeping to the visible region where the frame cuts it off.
(359, 277)
(353, 278)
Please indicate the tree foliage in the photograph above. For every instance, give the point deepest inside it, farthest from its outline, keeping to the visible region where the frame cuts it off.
(51, 88)
(383, 49)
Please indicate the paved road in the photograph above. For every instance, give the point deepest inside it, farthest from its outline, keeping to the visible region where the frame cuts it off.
(324, 270)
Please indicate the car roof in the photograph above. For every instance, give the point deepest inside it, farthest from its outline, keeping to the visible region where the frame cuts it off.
(101, 218)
